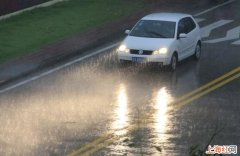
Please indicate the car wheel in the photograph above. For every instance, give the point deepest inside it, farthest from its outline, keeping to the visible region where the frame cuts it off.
(173, 64)
(198, 52)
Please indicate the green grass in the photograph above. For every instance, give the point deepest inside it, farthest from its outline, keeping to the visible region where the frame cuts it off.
(29, 31)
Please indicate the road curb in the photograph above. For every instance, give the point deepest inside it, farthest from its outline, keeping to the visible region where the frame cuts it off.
(46, 4)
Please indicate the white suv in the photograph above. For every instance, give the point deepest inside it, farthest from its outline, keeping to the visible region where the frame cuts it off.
(164, 38)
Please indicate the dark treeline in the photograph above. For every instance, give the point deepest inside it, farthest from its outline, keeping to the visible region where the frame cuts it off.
(8, 6)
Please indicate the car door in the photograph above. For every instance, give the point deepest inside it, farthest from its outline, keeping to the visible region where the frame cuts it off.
(183, 43)
(191, 35)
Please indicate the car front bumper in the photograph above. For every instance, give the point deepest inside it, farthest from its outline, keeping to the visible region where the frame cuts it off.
(146, 58)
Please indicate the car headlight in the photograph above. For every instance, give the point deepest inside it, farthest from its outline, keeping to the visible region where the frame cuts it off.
(160, 51)
(123, 48)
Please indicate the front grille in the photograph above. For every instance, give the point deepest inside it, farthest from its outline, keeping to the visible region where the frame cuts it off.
(144, 52)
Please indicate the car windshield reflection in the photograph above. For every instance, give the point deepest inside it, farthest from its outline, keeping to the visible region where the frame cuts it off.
(154, 29)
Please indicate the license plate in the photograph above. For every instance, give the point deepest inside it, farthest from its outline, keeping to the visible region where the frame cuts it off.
(138, 59)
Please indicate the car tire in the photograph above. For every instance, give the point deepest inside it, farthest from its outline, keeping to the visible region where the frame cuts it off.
(198, 52)
(173, 63)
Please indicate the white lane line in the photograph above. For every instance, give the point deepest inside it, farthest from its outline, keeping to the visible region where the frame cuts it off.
(236, 42)
(199, 19)
(58, 68)
(231, 35)
(215, 7)
(87, 56)
(46, 4)
(205, 31)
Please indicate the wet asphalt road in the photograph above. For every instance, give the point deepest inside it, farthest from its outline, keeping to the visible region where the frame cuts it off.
(64, 111)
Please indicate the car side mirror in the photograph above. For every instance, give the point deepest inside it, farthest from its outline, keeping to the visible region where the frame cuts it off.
(127, 32)
(182, 35)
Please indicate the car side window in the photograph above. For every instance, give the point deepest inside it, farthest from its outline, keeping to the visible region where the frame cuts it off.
(190, 24)
(182, 27)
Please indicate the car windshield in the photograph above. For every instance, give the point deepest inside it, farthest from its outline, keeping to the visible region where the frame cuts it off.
(154, 29)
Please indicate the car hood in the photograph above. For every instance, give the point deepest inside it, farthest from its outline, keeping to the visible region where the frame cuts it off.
(147, 43)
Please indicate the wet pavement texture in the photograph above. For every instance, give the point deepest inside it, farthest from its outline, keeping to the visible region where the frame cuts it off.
(64, 111)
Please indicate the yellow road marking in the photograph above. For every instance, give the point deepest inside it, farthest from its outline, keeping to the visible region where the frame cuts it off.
(104, 138)
(99, 147)
(207, 85)
(207, 91)
(92, 144)
(101, 142)
(111, 140)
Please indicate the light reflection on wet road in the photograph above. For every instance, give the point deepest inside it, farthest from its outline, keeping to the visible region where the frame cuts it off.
(163, 99)
(81, 103)
(122, 121)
